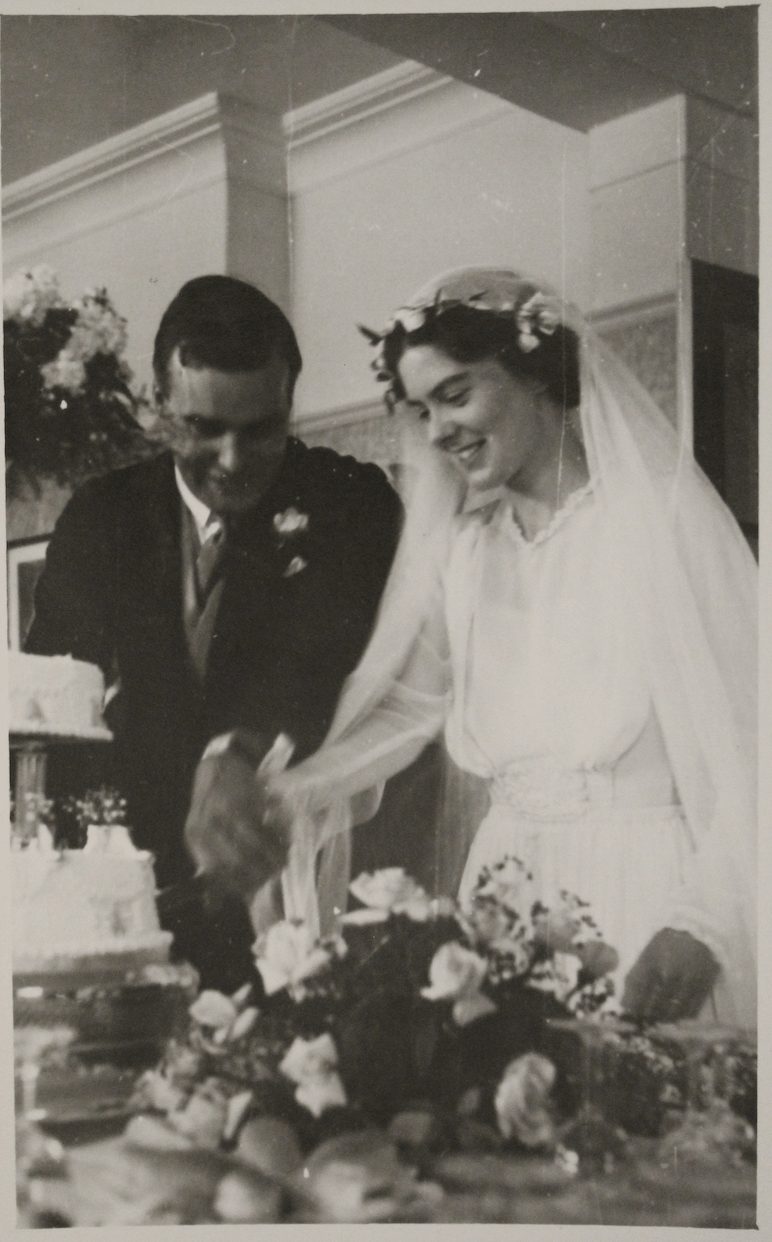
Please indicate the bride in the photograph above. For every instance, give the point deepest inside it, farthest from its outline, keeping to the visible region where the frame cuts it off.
(574, 606)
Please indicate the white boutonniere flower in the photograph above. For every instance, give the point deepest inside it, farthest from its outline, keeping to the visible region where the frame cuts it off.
(288, 525)
(290, 522)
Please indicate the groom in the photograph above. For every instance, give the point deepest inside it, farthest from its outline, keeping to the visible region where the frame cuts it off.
(228, 584)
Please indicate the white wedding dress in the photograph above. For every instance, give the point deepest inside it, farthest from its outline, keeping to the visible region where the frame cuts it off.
(601, 679)
(556, 715)
(530, 661)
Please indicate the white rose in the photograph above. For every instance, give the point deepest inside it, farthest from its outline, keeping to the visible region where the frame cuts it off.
(308, 1058)
(456, 974)
(213, 1009)
(388, 891)
(287, 955)
(522, 1101)
(319, 1094)
(312, 1065)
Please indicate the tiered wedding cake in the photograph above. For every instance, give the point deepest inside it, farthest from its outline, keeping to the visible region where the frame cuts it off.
(88, 950)
(86, 911)
(89, 911)
(55, 696)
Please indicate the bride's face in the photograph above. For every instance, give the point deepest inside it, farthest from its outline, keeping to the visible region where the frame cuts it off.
(480, 415)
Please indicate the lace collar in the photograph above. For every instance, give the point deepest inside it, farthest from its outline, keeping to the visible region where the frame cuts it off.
(497, 502)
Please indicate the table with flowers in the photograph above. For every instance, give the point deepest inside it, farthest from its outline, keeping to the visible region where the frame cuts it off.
(425, 1063)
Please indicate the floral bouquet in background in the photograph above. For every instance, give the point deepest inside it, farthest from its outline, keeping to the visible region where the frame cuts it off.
(70, 410)
(419, 1015)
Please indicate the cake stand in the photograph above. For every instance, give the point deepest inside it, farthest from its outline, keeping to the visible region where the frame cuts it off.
(30, 747)
(118, 1020)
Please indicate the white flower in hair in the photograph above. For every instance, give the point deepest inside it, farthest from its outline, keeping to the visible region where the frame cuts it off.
(539, 316)
(411, 317)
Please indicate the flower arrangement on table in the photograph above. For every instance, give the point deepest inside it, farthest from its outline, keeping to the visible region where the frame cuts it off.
(417, 1014)
(70, 408)
(103, 805)
(63, 823)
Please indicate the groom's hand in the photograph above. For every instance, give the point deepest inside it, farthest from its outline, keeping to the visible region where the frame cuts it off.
(234, 831)
(671, 979)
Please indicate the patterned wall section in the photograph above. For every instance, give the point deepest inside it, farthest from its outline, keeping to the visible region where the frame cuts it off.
(649, 348)
(373, 437)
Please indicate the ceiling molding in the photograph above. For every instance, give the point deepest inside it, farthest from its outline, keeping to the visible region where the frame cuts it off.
(210, 116)
(385, 115)
(393, 87)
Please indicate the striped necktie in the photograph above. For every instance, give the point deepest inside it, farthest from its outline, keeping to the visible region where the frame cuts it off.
(210, 556)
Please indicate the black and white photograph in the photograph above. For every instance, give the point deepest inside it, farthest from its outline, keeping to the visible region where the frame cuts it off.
(382, 549)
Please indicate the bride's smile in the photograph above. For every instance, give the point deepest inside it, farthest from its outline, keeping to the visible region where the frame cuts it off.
(497, 429)
(487, 421)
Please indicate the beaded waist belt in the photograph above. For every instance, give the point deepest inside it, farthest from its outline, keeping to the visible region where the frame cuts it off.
(541, 788)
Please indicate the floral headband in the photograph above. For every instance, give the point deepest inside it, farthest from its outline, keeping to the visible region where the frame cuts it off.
(535, 318)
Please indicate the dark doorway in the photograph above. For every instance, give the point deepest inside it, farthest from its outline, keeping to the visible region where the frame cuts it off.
(725, 318)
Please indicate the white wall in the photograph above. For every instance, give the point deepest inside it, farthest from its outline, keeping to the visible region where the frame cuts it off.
(390, 181)
(375, 216)
(671, 182)
(142, 260)
(199, 189)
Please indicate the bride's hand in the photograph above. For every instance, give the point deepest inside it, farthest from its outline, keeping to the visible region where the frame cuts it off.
(238, 829)
(671, 978)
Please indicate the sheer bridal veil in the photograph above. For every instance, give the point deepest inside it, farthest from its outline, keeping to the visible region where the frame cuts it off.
(682, 560)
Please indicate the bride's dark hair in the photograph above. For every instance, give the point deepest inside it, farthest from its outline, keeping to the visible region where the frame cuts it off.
(470, 334)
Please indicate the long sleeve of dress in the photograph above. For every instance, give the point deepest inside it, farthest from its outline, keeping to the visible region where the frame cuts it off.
(386, 739)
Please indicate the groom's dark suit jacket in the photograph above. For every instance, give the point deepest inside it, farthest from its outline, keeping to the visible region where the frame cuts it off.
(111, 594)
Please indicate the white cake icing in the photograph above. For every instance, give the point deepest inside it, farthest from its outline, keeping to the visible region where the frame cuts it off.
(55, 695)
(85, 910)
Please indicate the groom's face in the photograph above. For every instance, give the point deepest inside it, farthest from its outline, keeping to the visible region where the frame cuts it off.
(227, 430)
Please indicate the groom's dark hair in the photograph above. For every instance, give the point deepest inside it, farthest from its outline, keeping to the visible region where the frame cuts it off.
(227, 324)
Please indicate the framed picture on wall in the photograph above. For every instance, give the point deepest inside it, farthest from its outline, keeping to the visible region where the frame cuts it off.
(26, 558)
